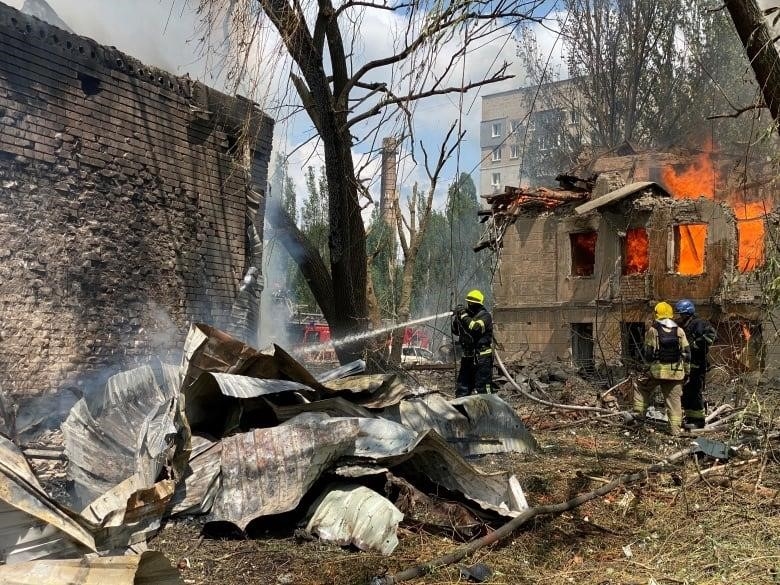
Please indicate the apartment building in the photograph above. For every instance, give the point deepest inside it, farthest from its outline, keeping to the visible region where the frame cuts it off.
(529, 135)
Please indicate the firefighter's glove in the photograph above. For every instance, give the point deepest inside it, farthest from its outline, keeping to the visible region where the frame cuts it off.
(458, 310)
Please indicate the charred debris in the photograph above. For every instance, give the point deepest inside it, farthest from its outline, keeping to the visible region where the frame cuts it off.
(241, 436)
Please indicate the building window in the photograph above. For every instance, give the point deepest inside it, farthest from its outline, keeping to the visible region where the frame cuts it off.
(496, 156)
(633, 340)
(514, 151)
(574, 117)
(549, 141)
(495, 130)
(582, 346)
(636, 251)
(583, 253)
(515, 126)
(688, 248)
(495, 181)
(750, 236)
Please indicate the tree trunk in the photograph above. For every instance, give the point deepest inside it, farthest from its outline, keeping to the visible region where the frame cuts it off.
(306, 256)
(752, 30)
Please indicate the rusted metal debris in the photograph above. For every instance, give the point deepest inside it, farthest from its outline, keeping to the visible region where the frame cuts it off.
(266, 432)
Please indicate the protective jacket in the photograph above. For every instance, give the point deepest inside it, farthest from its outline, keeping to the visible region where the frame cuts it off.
(701, 335)
(475, 332)
(667, 351)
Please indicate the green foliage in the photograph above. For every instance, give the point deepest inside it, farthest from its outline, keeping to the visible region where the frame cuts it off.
(382, 245)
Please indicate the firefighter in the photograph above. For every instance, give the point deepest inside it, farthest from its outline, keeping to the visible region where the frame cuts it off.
(668, 356)
(473, 325)
(701, 335)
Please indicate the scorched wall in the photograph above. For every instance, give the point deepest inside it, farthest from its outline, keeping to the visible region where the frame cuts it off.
(123, 205)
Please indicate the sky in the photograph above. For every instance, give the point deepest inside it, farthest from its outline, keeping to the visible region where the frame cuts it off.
(167, 33)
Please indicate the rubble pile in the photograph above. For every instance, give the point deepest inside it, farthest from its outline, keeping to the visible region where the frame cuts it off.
(237, 435)
(554, 381)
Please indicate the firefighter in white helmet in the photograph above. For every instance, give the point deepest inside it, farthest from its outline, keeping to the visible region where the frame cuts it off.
(473, 325)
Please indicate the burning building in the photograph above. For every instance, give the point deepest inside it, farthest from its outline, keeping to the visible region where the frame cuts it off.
(582, 266)
(129, 205)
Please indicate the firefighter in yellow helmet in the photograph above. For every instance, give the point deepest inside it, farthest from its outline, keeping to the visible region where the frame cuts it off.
(668, 356)
(473, 325)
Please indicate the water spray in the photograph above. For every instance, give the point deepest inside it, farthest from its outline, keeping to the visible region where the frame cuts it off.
(373, 333)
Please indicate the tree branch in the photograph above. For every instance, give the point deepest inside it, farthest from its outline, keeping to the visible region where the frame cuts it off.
(737, 112)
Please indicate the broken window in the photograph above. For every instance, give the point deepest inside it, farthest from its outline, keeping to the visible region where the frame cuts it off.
(496, 154)
(583, 253)
(633, 337)
(750, 253)
(582, 345)
(496, 180)
(689, 247)
(636, 248)
(90, 85)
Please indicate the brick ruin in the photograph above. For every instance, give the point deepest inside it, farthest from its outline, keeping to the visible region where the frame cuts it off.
(581, 267)
(129, 206)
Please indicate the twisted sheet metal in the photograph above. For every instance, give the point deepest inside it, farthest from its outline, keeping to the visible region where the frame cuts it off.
(32, 525)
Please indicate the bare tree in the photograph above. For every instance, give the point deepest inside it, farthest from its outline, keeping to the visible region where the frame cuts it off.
(411, 230)
(347, 98)
(760, 48)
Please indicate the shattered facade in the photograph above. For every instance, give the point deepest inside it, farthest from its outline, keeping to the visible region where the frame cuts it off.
(582, 266)
(129, 205)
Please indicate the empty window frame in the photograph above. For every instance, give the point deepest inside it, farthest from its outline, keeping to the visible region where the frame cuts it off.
(496, 154)
(514, 151)
(633, 339)
(582, 345)
(636, 251)
(495, 129)
(516, 125)
(495, 180)
(583, 253)
(689, 242)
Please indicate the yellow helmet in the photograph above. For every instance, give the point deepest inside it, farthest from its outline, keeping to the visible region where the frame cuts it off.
(475, 296)
(663, 311)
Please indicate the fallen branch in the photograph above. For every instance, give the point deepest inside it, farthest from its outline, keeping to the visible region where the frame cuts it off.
(547, 402)
(529, 514)
(509, 528)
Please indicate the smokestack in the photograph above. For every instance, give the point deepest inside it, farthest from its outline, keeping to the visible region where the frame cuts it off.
(389, 179)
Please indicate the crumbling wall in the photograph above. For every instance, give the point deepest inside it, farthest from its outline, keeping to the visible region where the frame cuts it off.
(123, 205)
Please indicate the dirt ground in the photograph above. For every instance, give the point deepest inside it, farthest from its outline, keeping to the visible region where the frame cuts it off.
(679, 526)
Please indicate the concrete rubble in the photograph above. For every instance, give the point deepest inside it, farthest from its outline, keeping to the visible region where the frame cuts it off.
(235, 435)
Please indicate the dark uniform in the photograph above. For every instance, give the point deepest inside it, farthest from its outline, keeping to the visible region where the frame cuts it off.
(701, 335)
(474, 327)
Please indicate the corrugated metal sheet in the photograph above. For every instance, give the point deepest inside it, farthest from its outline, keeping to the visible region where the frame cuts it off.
(213, 403)
(332, 406)
(354, 514)
(434, 458)
(475, 425)
(201, 483)
(149, 568)
(371, 390)
(267, 471)
(210, 350)
(111, 439)
(392, 444)
(32, 525)
(356, 367)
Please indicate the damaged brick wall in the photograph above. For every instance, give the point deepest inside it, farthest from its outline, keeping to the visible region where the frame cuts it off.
(123, 205)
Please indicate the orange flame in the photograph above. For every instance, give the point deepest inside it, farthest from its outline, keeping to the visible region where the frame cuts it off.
(746, 332)
(700, 180)
(636, 253)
